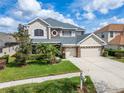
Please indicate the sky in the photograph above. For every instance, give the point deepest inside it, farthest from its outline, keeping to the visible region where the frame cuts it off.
(88, 14)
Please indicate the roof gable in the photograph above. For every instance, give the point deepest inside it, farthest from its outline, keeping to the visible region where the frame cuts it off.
(93, 35)
(38, 19)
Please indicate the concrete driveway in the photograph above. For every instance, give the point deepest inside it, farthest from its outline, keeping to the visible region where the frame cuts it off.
(107, 75)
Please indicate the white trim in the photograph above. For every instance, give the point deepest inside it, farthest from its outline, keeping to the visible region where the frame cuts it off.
(53, 33)
(37, 19)
(69, 45)
(90, 36)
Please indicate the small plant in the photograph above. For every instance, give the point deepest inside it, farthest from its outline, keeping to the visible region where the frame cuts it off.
(105, 54)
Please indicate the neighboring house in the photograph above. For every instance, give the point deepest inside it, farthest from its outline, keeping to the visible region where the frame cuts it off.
(8, 44)
(71, 39)
(113, 34)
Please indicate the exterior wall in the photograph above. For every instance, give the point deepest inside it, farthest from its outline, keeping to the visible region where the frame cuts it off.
(114, 35)
(38, 25)
(91, 41)
(107, 37)
(73, 34)
(57, 30)
(9, 50)
(115, 47)
(78, 33)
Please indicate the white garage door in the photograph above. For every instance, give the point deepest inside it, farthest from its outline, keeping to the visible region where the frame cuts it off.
(90, 52)
(70, 52)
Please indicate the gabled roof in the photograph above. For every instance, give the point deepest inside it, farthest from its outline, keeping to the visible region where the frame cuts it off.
(92, 34)
(118, 40)
(111, 27)
(55, 23)
(39, 19)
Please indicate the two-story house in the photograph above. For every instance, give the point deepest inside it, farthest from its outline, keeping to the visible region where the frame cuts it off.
(113, 34)
(71, 38)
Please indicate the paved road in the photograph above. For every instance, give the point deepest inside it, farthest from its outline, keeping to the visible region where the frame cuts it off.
(107, 75)
(37, 80)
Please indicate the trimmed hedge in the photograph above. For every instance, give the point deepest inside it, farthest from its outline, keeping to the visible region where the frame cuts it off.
(115, 52)
(36, 57)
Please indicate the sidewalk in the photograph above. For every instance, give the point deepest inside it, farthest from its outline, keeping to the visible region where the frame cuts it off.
(37, 80)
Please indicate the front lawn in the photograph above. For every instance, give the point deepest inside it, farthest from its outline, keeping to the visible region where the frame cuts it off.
(36, 70)
(120, 60)
(116, 59)
(55, 86)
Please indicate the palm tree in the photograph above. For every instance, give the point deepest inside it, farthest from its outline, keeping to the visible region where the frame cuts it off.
(48, 50)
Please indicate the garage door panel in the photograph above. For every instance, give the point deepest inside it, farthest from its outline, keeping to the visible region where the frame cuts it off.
(70, 52)
(90, 52)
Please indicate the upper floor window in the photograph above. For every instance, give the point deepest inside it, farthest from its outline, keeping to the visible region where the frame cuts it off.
(102, 36)
(66, 33)
(38, 32)
(111, 34)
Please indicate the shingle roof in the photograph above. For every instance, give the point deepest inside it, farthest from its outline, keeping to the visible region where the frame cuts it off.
(118, 40)
(79, 38)
(62, 40)
(111, 27)
(56, 23)
(6, 38)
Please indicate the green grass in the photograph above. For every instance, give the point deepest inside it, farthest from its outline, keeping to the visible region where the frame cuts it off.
(35, 70)
(54, 86)
(120, 60)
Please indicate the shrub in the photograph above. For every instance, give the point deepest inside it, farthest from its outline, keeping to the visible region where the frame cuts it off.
(20, 58)
(36, 57)
(105, 54)
(115, 52)
(6, 57)
(118, 55)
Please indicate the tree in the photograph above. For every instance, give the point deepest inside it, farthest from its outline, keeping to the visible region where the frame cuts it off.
(48, 50)
(24, 49)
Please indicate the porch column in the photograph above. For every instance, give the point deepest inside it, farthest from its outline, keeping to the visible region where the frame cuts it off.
(78, 51)
(49, 33)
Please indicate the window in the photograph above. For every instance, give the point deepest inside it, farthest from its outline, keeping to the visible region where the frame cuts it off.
(102, 36)
(54, 33)
(111, 34)
(38, 32)
(1, 50)
(66, 33)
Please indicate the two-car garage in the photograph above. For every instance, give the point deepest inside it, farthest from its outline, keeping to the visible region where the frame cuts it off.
(90, 52)
(89, 47)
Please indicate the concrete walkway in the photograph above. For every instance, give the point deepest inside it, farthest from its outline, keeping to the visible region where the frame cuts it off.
(107, 75)
(37, 80)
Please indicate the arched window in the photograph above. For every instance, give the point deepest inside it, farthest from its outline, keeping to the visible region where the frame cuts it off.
(38, 32)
